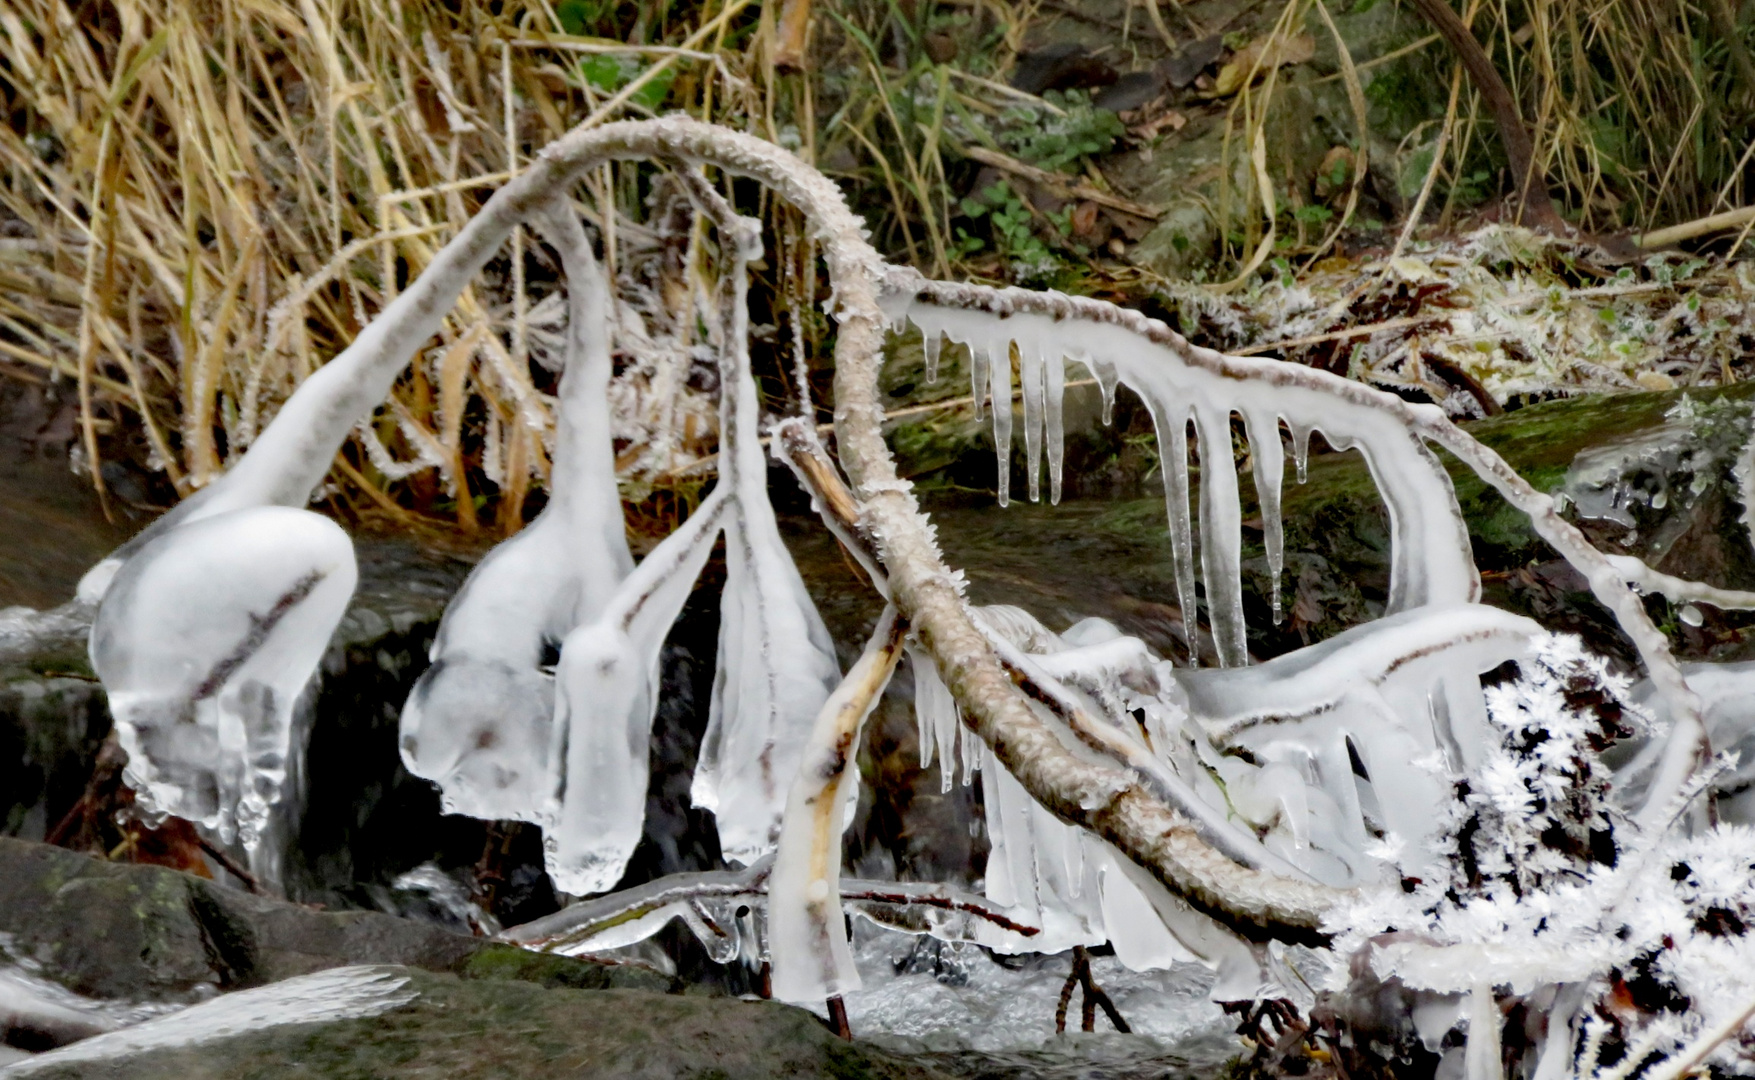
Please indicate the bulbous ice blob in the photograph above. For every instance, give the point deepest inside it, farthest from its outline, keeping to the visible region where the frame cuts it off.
(479, 728)
(204, 641)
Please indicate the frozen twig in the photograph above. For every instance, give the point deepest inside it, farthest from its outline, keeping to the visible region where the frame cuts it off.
(807, 933)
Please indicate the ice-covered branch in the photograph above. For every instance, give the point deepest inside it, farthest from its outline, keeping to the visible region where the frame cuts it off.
(632, 915)
(1431, 561)
(1677, 590)
(1238, 861)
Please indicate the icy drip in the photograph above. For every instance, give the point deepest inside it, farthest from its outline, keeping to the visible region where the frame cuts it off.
(776, 662)
(978, 378)
(1030, 372)
(1000, 381)
(935, 711)
(1055, 387)
(930, 342)
(1221, 536)
(606, 694)
(1106, 381)
(1171, 424)
(480, 721)
(1267, 462)
(1301, 450)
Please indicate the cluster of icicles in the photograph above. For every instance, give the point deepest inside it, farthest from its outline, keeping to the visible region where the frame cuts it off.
(213, 621)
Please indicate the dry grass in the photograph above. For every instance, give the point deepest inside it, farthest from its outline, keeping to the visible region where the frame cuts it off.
(206, 200)
(1642, 111)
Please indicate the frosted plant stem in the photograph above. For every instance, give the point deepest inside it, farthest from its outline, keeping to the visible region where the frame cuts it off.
(1677, 590)
(587, 924)
(589, 918)
(1688, 747)
(1691, 1056)
(795, 442)
(807, 933)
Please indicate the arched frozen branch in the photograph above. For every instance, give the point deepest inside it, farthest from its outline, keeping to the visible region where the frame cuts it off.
(1101, 792)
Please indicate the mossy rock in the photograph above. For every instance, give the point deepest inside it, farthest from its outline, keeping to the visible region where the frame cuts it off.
(465, 1029)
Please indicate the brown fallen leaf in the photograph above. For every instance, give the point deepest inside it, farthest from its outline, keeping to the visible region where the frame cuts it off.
(1262, 56)
(1168, 120)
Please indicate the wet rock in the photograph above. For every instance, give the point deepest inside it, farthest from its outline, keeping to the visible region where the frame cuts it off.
(112, 930)
(474, 1029)
(1061, 66)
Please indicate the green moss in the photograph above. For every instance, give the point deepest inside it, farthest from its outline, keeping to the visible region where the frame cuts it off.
(508, 962)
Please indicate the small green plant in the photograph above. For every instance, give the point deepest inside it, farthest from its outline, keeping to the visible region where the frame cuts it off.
(610, 73)
(1011, 230)
(1060, 141)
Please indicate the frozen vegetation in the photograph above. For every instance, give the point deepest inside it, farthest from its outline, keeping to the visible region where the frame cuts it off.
(1527, 876)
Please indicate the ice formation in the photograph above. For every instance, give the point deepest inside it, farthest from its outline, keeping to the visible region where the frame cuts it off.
(775, 668)
(776, 663)
(343, 993)
(1431, 560)
(204, 641)
(478, 723)
(1355, 763)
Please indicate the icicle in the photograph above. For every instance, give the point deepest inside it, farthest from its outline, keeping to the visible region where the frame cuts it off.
(1301, 450)
(1267, 461)
(936, 714)
(930, 341)
(1221, 536)
(1106, 381)
(1000, 886)
(925, 723)
(1142, 942)
(978, 362)
(1171, 424)
(1030, 369)
(1056, 394)
(1000, 379)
